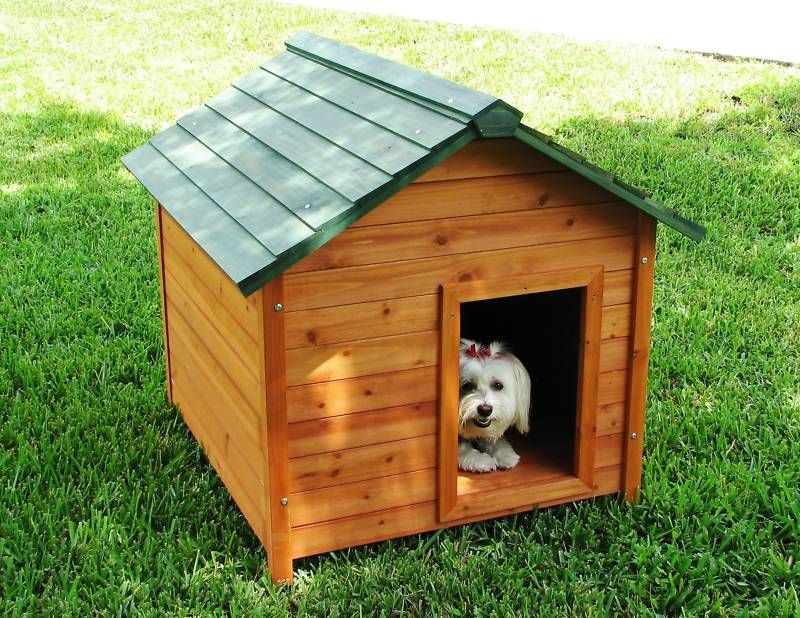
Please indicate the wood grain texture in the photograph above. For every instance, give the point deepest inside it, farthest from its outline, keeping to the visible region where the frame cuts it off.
(372, 392)
(192, 356)
(243, 309)
(374, 427)
(363, 497)
(491, 157)
(198, 372)
(225, 459)
(478, 196)
(610, 418)
(639, 354)
(351, 322)
(358, 358)
(611, 387)
(362, 463)
(616, 321)
(276, 432)
(237, 336)
(398, 316)
(417, 277)
(413, 519)
(420, 239)
(163, 298)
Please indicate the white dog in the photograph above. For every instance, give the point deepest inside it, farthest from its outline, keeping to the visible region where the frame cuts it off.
(495, 394)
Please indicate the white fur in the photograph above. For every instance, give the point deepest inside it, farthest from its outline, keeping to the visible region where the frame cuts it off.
(510, 406)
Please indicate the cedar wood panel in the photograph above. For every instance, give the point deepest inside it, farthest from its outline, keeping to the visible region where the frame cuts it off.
(215, 361)
(362, 332)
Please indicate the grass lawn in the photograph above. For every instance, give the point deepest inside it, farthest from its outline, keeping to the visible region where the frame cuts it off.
(108, 506)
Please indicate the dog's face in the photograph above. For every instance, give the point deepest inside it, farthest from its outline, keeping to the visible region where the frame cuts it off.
(495, 391)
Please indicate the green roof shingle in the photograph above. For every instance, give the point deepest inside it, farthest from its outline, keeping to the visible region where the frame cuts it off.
(275, 166)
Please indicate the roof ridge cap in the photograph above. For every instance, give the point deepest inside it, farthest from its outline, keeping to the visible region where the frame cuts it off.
(313, 47)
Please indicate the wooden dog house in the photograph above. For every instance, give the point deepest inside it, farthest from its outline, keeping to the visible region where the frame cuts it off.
(327, 229)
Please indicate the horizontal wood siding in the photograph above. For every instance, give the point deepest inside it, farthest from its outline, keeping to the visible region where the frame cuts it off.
(215, 361)
(362, 333)
(494, 157)
(370, 527)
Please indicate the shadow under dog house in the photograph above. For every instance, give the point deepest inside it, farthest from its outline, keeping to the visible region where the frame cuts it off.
(328, 228)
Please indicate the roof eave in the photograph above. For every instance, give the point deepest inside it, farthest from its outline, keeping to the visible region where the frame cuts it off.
(608, 181)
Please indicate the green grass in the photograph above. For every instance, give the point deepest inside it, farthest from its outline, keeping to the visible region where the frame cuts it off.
(107, 506)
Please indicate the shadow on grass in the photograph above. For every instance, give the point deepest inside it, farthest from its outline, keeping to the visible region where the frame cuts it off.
(104, 491)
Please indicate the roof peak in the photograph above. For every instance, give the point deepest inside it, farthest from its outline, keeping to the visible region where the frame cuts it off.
(492, 117)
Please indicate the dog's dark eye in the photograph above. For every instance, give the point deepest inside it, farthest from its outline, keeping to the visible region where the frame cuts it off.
(497, 386)
(467, 387)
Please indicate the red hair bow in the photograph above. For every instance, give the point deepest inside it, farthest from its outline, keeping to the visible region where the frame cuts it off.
(474, 352)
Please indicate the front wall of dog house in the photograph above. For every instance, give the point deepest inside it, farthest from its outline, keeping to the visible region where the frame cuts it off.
(362, 332)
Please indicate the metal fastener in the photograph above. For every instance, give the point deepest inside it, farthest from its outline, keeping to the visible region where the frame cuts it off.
(634, 435)
(644, 260)
(278, 307)
(284, 501)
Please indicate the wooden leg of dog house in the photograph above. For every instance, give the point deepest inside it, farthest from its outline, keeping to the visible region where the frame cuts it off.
(276, 440)
(639, 355)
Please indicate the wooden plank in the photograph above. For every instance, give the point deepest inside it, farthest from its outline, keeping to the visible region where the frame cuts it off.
(358, 358)
(241, 370)
(237, 252)
(417, 277)
(608, 450)
(590, 365)
(224, 291)
(163, 297)
(396, 353)
(358, 464)
(304, 195)
(190, 351)
(373, 392)
(617, 287)
(389, 74)
(412, 121)
(639, 354)
(276, 432)
(613, 354)
(266, 219)
(367, 140)
(414, 519)
(194, 291)
(492, 157)
(341, 171)
(399, 316)
(616, 321)
(420, 239)
(345, 432)
(394, 316)
(310, 507)
(224, 464)
(239, 428)
(610, 418)
(479, 196)
(611, 387)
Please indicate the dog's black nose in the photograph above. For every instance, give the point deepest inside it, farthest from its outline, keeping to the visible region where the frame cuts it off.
(484, 410)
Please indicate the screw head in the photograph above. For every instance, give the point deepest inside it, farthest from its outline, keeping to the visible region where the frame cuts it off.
(278, 307)
(284, 501)
(645, 260)
(634, 435)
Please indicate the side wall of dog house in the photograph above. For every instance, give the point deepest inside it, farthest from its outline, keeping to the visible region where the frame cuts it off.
(362, 332)
(215, 353)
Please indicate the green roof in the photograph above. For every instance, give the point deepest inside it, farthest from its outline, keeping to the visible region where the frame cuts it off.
(289, 156)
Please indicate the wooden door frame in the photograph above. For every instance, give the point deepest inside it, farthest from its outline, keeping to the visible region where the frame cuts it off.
(590, 280)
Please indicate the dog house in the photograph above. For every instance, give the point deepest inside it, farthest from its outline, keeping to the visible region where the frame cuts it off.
(328, 228)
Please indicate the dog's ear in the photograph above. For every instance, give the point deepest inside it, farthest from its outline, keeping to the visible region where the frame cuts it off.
(522, 394)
